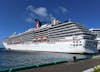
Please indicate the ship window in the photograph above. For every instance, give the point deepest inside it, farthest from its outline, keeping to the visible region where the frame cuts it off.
(76, 44)
(73, 44)
(80, 44)
(87, 45)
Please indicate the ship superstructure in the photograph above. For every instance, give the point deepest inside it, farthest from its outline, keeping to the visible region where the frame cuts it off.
(96, 31)
(68, 37)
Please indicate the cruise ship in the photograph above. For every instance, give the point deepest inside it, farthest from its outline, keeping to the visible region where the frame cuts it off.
(96, 31)
(66, 37)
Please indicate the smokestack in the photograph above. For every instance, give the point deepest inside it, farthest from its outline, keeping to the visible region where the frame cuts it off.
(53, 20)
(38, 23)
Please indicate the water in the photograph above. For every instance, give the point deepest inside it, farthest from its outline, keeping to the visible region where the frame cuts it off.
(13, 59)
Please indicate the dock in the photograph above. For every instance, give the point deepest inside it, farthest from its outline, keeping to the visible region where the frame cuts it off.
(78, 66)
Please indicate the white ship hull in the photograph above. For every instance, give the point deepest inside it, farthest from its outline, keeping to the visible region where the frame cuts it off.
(65, 47)
(68, 37)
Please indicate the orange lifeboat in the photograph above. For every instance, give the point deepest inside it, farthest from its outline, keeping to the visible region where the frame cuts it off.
(39, 38)
(34, 39)
(44, 37)
(18, 41)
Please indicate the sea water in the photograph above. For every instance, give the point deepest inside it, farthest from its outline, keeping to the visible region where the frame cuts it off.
(10, 59)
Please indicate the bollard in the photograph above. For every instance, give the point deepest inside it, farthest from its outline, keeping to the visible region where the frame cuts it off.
(74, 58)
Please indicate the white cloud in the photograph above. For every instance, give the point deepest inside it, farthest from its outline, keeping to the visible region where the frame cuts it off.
(30, 7)
(41, 11)
(63, 9)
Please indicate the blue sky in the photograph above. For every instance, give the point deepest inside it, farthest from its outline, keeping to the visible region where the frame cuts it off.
(18, 15)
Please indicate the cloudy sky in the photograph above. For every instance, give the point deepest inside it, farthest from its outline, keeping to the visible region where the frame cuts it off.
(18, 15)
